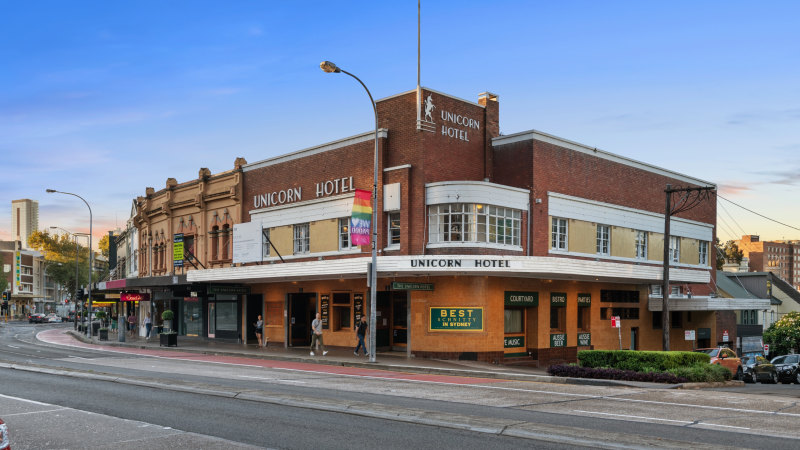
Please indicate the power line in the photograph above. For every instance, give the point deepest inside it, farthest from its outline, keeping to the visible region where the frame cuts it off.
(732, 218)
(758, 214)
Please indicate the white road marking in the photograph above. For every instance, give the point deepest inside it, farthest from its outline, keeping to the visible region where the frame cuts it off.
(34, 412)
(12, 346)
(625, 416)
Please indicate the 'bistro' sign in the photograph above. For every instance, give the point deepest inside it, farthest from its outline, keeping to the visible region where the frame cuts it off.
(456, 319)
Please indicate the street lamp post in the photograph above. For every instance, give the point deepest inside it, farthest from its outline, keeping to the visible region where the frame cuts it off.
(329, 67)
(91, 259)
(77, 279)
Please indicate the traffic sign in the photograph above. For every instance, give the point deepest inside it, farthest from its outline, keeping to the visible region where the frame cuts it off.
(615, 322)
(725, 336)
(766, 348)
(688, 335)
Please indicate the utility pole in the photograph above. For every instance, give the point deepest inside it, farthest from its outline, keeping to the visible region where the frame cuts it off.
(692, 196)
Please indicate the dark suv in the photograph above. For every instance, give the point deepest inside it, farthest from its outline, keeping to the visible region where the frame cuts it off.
(788, 367)
(36, 318)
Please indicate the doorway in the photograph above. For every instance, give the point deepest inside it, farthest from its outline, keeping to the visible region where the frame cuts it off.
(392, 320)
(255, 307)
(635, 338)
(302, 308)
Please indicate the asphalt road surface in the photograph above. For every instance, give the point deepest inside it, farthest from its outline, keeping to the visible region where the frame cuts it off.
(298, 405)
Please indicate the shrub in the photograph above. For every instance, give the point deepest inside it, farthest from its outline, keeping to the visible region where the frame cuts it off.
(702, 372)
(640, 361)
(167, 314)
(565, 370)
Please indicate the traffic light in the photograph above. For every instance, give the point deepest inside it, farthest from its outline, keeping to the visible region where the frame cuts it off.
(78, 294)
(6, 296)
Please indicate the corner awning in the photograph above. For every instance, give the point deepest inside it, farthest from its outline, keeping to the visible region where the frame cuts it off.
(696, 303)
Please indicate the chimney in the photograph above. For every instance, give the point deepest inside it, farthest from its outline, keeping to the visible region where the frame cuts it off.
(491, 123)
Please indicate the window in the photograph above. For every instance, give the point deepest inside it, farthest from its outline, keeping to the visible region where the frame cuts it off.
(603, 239)
(622, 313)
(265, 245)
(557, 317)
(301, 239)
(341, 311)
(513, 321)
(344, 233)
(214, 244)
(583, 317)
(394, 230)
(655, 290)
(703, 256)
(617, 296)
(559, 234)
(676, 319)
(657, 322)
(674, 249)
(461, 222)
(225, 242)
(641, 244)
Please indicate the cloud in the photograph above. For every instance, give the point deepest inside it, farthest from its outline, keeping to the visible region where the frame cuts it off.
(733, 189)
(753, 117)
(783, 177)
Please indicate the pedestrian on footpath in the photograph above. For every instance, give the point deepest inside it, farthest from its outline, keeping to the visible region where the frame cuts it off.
(316, 335)
(361, 332)
(132, 323)
(260, 331)
(148, 325)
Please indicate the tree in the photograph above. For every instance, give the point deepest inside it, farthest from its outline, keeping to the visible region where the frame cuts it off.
(59, 256)
(3, 278)
(731, 253)
(783, 336)
(103, 245)
(718, 253)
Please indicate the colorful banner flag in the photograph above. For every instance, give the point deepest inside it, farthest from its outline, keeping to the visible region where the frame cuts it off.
(361, 219)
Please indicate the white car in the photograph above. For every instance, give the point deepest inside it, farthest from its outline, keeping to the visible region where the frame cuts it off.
(53, 318)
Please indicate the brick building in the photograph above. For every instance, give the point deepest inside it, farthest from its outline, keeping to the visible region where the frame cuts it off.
(490, 247)
(782, 257)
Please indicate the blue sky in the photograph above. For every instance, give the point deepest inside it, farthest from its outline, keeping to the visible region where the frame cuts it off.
(105, 98)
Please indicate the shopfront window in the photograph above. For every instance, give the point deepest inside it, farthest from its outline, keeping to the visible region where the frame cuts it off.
(514, 321)
(342, 311)
(226, 316)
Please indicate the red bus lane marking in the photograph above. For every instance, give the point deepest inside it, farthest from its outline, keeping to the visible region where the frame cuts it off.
(60, 337)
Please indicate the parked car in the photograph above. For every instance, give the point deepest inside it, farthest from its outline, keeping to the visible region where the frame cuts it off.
(788, 367)
(758, 368)
(725, 357)
(5, 442)
(53, 318)
(36, 318)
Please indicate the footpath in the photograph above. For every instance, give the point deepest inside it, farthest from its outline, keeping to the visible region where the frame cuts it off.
(344, 357)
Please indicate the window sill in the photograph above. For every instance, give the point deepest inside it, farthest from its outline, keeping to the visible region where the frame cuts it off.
(474, 245)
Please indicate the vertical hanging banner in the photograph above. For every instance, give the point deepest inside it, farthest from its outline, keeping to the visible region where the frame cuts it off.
(361, 219)
(177, 250)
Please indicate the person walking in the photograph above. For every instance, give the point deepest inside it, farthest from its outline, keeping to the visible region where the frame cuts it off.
(148, 325)
(361, 332)
(260, 331)
(316, 335)
(132, 323)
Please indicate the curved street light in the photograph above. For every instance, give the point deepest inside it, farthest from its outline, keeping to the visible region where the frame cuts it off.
(329, 67)
(91, 254)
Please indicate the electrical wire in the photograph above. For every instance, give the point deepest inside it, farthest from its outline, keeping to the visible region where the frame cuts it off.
(758, 214)
(734, 220)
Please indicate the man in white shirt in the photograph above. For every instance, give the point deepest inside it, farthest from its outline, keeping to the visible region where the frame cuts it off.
(316, 335)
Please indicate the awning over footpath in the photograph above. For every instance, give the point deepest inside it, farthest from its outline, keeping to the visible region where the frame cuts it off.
(708, 304)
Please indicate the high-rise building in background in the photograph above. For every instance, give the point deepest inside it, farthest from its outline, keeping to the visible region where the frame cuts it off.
(24, 219)
(781, 257)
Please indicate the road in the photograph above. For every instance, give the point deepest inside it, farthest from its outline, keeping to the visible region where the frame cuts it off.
(295, 405)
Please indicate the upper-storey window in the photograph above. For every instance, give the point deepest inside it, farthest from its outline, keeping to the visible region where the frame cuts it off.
(344, 233)
(393, 235)
(476, 223)
(674, 249)
(603, 240)
(301, 239)
(641, 244)
(703, 256)
(558, 239)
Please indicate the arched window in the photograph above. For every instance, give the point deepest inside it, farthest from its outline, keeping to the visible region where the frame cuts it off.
(214, 243)
(225, 241)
